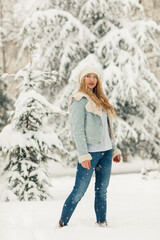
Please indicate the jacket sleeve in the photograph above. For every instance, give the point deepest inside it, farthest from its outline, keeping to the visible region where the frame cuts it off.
(77, 120)
(115, 150)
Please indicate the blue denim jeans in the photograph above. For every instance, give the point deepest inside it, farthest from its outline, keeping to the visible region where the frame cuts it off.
(101, 163)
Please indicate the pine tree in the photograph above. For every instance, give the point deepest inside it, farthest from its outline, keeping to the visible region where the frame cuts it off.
(63, 42)
(131, 87)
(28, 143)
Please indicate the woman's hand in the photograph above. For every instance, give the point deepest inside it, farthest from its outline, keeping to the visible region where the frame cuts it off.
(86, 164)
(117, 158)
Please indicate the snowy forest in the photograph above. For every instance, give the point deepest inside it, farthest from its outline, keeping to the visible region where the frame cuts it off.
(43, 45)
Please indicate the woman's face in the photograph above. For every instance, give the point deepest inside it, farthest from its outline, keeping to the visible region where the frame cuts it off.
(91, 80)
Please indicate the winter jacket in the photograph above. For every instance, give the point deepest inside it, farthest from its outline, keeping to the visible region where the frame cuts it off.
(87, 125)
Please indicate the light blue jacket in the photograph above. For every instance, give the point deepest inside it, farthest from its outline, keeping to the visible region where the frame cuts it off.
(87, 125)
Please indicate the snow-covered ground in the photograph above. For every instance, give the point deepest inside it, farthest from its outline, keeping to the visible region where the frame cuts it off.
(133, 213)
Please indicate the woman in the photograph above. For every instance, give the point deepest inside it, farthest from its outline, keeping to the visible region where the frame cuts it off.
(91, 126)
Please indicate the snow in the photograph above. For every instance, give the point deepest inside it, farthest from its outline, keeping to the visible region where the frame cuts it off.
(133, 213)
(25, 97)
(17, 138)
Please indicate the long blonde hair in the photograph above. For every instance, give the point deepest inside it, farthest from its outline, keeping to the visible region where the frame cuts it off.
(97, 96)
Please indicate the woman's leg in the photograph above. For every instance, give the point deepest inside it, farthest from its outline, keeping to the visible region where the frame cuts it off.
(102, 177)
(83, 177)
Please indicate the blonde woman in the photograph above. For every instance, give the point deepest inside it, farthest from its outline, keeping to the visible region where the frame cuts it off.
(91, 117)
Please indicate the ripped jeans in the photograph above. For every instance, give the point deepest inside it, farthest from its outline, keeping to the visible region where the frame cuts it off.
(101, 163)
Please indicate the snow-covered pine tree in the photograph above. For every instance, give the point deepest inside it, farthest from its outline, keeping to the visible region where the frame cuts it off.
(129, 83)
(63, 42)
(28, 143)
(116, 34)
